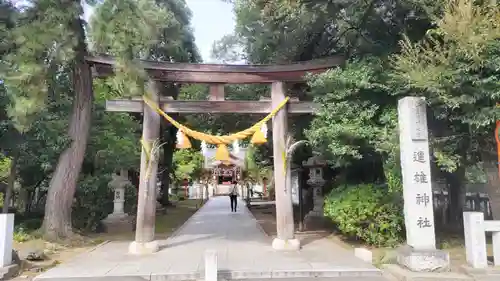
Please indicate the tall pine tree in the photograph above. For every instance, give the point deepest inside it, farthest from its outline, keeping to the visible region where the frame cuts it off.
(50, 39)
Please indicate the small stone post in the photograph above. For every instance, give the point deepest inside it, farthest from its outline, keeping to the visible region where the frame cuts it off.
(6, 239)
(475, 240)
(495, 239)
(211, 265)
(421, 255)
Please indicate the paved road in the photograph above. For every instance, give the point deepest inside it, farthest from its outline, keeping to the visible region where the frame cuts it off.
(243, 249)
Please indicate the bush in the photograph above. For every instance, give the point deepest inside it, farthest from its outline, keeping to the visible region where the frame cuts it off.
(29, 221)
(368, 213)
(26, 226)
(31, 224)
(94, 202)
(21, 235)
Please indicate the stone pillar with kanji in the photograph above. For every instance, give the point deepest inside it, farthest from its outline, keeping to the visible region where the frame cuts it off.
(420, 254)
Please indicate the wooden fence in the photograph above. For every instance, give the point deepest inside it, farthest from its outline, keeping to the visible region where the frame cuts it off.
(474, 201)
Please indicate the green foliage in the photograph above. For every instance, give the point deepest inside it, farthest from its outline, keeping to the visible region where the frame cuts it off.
(356, 125)
(227, 49)
(26, 225)
(130, 29)
(30, 66)
(130, 200)
(392, 174)
(4, 167)
(456, 67)
(475, 174)
(94, 201)
(188, 164)
(357, 118)
(255, 169)
(284, 30)
(21, 235)
(113, 143)
(368, 213)
(36, 92)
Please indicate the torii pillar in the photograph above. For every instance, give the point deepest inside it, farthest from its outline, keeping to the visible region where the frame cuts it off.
(146, 206)
(285, 239)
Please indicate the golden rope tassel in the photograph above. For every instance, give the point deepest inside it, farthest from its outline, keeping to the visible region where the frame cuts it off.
(182, 140)
(258, 137)
(218, 139)
(222, 154)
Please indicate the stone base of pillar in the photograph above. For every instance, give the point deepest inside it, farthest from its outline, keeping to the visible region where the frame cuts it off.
(423, 260)
(286, 245)
(315, 213)
(315, 221)
(118, 223)
(138, 248)
(9, 271)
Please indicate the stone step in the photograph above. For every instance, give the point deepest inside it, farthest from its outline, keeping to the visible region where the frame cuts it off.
(303, 275)
(281, 275)
(401, 274)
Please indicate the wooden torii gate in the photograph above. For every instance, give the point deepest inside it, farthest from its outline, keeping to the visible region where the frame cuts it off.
(216, 75)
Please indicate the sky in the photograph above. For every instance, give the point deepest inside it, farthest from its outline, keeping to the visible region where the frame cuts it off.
(212, 19)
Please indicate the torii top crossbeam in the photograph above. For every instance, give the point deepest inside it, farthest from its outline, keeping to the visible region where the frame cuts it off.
(221, 73)
(216, 75)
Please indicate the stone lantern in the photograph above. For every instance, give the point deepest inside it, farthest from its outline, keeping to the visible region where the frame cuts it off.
(118, 221)
(315, 165)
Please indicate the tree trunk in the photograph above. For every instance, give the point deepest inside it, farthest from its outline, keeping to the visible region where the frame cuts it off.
(493, 187)
(23, 200)
(456, 189)
(11, 181)
(168, 135)
(57, 219)
(29, 202)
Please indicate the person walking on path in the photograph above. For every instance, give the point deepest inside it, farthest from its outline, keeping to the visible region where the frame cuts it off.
(233, 196)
